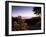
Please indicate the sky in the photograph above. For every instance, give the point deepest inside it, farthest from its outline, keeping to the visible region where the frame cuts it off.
(24, 11)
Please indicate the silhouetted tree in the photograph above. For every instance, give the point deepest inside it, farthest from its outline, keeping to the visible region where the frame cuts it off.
(37, 10)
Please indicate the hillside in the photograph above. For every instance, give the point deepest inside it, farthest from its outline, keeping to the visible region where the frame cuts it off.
(33, 23)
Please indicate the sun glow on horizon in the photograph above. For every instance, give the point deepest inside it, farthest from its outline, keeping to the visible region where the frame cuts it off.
(26, 16)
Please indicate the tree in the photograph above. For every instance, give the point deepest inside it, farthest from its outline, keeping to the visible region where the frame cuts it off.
(37, 10)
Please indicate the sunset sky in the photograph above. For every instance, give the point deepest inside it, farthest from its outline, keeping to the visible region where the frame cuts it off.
(24, 11)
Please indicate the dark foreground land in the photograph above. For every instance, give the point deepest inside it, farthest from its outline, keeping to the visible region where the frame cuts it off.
(19, 24)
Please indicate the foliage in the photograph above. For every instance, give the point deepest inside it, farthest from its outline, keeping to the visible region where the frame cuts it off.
(37, 10)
